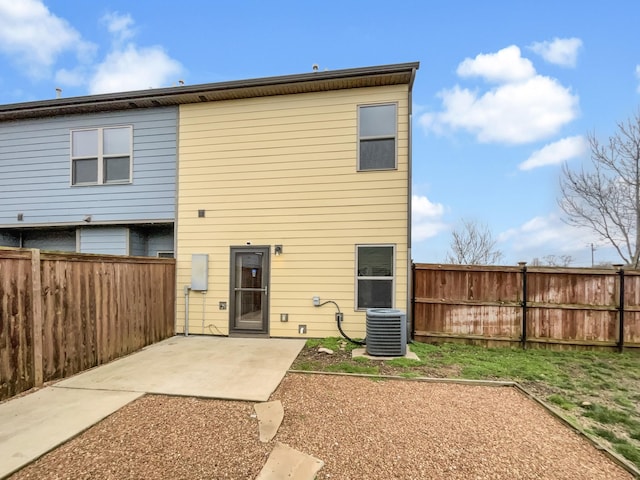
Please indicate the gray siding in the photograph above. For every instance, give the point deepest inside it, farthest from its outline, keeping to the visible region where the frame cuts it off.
(137, 243)
(105, 240)
(160, 241)
(35, 171)
(55, 240)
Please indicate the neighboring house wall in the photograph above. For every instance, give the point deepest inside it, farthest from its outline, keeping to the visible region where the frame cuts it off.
(104, 240)
(148, 241)
(160, 241)
(283, 170)
(54, 240)
(35, 171)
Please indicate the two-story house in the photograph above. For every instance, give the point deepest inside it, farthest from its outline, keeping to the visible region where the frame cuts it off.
(285, 199)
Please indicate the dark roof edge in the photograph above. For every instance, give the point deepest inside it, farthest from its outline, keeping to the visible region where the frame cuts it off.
(158, 93)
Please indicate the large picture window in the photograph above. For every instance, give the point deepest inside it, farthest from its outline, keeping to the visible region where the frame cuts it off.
(377, 137)
(101, 155)
(374, 276)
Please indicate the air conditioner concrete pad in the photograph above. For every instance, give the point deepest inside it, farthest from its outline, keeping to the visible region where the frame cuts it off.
(286, 462)
(270, 415)
(362, 352)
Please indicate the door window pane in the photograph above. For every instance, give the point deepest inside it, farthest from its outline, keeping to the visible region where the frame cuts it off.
(84, 143)
(248, 270)
(116, 169)
(85, 171)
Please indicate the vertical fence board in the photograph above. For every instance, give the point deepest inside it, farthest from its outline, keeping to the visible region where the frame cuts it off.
(17, 371)
(632, 303)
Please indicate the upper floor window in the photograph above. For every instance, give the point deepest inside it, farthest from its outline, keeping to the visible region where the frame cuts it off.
(101, 155)
(377, 137)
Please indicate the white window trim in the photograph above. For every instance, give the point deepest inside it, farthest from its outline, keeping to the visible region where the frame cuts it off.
(381, 137)
(100, 157)
(393, 276)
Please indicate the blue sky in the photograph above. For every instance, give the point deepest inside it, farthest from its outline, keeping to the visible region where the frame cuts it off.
(505, 94)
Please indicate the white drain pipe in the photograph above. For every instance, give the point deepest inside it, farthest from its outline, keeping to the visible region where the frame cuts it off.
(187, 289)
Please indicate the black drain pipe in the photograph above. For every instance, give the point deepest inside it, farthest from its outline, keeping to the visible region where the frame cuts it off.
(523, 336)
(621, 309)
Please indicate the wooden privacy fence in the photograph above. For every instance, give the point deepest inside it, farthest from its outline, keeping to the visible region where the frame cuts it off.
(61, 313)
(535, 306)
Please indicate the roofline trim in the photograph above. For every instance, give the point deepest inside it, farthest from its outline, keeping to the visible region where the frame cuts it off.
(177, 91)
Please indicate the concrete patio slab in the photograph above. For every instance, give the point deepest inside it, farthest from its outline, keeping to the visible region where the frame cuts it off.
(201, 366)
(32, 425)
(198, 366)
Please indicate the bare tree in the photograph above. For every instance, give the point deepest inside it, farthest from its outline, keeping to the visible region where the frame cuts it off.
(553, 261)
(473, 244)
(606, 197)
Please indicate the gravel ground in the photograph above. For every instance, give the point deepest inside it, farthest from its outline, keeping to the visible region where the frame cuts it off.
(359, 427)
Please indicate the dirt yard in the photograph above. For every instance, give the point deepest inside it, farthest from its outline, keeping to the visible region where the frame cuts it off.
(361, 428)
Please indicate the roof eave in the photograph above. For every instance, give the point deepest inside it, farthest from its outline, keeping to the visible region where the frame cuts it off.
(299, 83)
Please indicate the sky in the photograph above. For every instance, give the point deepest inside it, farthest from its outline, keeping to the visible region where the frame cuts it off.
(505, 95)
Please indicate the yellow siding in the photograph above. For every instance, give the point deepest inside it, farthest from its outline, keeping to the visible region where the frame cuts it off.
(282, 170)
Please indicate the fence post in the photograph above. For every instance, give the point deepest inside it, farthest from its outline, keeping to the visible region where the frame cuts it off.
(36, 317)
(620, 342)
(523, 334)
(413, 301)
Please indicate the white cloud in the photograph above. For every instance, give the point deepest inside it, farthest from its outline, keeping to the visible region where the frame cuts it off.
(546, 235)
(512, 113)
(526, 107)
(36, 40)
(559, 51)
(120, 26)
(505, 65)
(427, 218)
(134, 68)
(129, 66)
(556, 153)
(34, 37)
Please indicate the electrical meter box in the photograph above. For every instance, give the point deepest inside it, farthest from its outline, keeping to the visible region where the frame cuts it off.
(199, 272)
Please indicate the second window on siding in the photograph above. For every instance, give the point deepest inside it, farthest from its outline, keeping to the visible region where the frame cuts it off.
(374, 276)
(101, 155)
(377, 137)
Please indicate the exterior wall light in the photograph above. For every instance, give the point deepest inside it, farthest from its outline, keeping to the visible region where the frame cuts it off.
(277, 250)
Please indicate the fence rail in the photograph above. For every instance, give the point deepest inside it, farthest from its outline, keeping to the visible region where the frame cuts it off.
(63, 313)
(533, 306)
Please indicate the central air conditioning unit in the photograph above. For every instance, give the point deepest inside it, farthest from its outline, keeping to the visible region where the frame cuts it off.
(386, 332)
